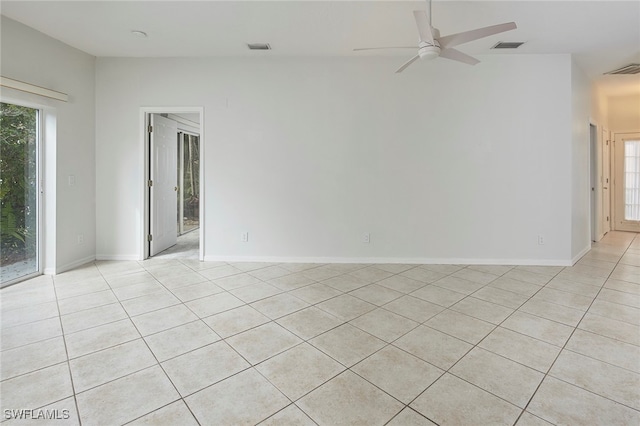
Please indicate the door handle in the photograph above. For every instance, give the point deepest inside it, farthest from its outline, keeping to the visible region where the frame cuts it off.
(605, 187)
(175, 188)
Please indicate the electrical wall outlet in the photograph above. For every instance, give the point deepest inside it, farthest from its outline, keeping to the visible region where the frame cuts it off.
(541, 240)
(244, 237)
(80, 239)
(366, 238)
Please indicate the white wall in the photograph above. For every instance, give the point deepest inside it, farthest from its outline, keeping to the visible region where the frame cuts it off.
(444, 162)
(624, 113)
(35, 58)
(580, 147)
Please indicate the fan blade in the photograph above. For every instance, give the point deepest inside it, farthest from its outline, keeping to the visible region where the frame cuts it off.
(380, 48)
(424, 27)
(457, 55)
(467, 36)
(406, 64)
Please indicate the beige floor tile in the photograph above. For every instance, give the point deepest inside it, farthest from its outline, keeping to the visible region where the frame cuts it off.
(527, 277)
(482, 309)
(64, 291)
(279, 305)
(413, 308)
(539, 328)
(345, 283)
(559, 297)
(401, 283)
(269, 272)
(347, 344)
(254, 292)
(125, 280)
(582, 278)
(214, 304)
(475, 276)
(611, 328)
(612, 351)
(315, 293)
(443, 269)
(219, 272)
(433, 346)
(196, 291)
(623, 286)
(127, 398)
(561, 403)
(528, 419)
(515, 286)
(492, 269)
(423, 275)
(235, 321)
(552, 311)
(203, 367)
(604, 379)
(321, 273)
(398, 373)
(175, 413)
(581, 289)
(101, 337)
(37, 389)
(371, 274)
(299, 370)
(616, 311)
(236, 281)
(35, 356)
(498, 375)
(458, 284)
(346, 307)
(86, 301)
(299, 267)
(395, 268)
(438, 295)
(163, 319)
(29, 333)
(349, 399)
(27, 314)
(409, 417)
(251, 266)
(178, 340)
(453, 401)
(92, 317)
(501, 297)
(526, 350)
(246, 398)
(263, 342)
(290, 415)
(184, 279)
(100, 367)
(64, 413)
(309, 322)
(620, 297)
(384, 324)
(137, 290)
(462, 326)
(151, 302)
(376, 294)
(291, 281)
(542, 270)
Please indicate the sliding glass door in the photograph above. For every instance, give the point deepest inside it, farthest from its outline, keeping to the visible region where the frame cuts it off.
(19, 177)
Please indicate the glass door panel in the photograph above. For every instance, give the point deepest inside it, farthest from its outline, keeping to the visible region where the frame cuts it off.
(18, 193)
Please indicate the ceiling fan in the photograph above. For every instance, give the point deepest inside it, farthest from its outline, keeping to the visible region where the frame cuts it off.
(431, 45)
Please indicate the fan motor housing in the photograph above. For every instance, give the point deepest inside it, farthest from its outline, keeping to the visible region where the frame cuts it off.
(428, 51)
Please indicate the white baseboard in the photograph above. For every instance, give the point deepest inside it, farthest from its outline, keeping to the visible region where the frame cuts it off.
(579, 255)
(72, 265)
(117, 257)
(411, 261)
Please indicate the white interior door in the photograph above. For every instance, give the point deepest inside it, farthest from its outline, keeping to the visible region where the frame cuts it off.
(627, 181)
(164, 184)
(606, 181)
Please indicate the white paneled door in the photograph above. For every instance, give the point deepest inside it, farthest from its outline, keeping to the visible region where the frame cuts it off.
(164, 183)
(627, 181)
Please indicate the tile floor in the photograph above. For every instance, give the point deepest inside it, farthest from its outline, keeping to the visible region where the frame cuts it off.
(176, 341)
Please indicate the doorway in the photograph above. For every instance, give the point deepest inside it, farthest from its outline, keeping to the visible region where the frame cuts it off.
(20, 194)
(606, 181)
(627, 181)
(172, 185)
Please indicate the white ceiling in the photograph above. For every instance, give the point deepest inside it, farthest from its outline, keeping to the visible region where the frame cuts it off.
(602, 35)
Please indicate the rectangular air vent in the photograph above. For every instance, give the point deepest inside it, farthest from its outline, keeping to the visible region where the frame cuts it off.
(627, 69)
(259, 46)
(508, 44)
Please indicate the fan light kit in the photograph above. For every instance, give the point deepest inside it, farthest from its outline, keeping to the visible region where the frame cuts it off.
(431, 45)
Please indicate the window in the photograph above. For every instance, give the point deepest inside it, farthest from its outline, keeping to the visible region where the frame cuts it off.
(19, 131)
(632, 179)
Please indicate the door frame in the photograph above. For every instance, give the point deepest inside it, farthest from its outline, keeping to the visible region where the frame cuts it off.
(44, 115)
(145, 113)
(617, 172)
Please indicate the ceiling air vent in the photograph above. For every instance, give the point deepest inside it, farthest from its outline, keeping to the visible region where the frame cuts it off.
(627, 69)
(259, 46)
(508, 44)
